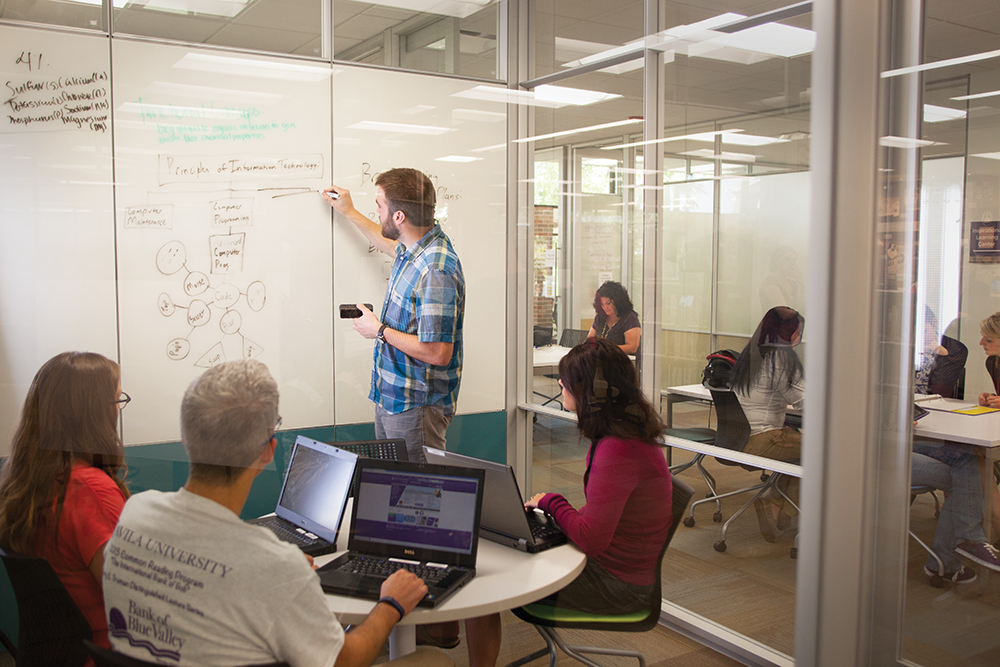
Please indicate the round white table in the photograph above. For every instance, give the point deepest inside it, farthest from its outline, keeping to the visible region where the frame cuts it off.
(505, 578)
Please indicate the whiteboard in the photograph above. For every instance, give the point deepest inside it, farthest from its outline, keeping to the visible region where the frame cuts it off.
(188, 230)
(57, 264)
(223, 243)
(385, 119)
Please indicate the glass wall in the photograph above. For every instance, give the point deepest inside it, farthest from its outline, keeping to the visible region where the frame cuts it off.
(733, 236)
(936, 269)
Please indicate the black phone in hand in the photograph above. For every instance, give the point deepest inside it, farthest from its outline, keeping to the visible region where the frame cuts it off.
(349, 311)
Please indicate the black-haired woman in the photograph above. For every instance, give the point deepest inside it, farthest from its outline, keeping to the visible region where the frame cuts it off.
(625, 521)
(767, 379)
(615, 319)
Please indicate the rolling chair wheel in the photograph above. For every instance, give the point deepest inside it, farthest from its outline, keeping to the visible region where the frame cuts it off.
(720, 546)
(717, 517)
(763, 475)
(937, 581)
(793, 552)
(688, 521)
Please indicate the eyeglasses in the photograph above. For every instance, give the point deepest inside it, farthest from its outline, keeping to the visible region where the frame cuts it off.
(123, 400)
(277, 425)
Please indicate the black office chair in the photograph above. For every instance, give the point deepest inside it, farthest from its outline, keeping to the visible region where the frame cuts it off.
(51, 628)
(733, 433)
(107, 658)
(547, 618)
(734, 436)
(568, 338)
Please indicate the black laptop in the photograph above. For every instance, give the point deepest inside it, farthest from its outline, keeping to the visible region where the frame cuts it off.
(505, 520)
(313, 496)
(414, 516)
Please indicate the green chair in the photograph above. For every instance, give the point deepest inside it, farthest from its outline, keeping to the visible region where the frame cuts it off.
(546, 618)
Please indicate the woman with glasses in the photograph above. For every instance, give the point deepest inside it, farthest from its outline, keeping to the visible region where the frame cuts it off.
(62, 487)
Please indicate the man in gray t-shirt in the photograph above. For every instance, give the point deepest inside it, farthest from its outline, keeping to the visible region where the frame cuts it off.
(185, 580)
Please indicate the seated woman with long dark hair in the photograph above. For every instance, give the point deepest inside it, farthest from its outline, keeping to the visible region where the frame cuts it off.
(62, 487)
(767, 379)
(624, 523)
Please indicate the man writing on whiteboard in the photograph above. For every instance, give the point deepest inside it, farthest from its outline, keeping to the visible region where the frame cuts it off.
(418, 348)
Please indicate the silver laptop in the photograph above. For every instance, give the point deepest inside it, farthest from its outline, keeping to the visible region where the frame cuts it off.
(313, 497)
(505, 521)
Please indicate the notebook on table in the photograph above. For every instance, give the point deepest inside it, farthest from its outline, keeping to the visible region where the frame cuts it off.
(415, 516)
(313, 497)
(505, 520)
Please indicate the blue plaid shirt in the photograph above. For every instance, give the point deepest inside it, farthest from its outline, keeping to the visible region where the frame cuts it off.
(425, 297)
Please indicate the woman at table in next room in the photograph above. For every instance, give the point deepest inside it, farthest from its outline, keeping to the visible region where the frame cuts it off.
(62, 487)
(615, 319)
(767, 379)
(627, 487)
(990, 342)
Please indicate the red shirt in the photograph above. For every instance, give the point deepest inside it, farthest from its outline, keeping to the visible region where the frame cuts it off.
(90, 512)
(628, 510)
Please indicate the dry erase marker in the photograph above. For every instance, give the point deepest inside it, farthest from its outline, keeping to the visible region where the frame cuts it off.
(333, 195)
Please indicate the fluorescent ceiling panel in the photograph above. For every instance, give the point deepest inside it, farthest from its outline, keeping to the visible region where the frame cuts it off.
(457, 8)
(400, 128)
(258, 69)
(574, 96)
(709, 154)
(977, 96)
(962, 60)
(773, 39)
(581, 130)
(936, 114)
(737, 138)
(903, 142)
(227, 8)
(553, 97)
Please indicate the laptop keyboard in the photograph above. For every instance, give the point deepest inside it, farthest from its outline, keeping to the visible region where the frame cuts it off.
(282, 531)
(384, 451)
(381, 567)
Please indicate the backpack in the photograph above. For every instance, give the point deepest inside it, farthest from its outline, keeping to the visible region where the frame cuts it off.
(718, 373)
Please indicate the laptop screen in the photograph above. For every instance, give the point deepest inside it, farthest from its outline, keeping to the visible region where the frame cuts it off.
(421, 510)
(316, 487)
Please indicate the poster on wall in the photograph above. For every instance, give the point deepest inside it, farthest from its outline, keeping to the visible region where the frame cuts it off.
(984, 241)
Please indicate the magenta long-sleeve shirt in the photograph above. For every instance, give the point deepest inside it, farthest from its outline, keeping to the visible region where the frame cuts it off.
(628, 511)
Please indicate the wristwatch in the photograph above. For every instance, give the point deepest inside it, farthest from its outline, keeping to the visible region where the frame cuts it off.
(380, 336)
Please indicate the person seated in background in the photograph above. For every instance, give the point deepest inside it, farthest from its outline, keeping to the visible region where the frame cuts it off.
(767, 378)
(990, 342)
(959, 529)
(942, 362)
(623, 525)
(615, 319)
(187, 581)
(62, 487)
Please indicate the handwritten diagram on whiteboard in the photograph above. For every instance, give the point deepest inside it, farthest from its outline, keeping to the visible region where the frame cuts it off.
(224, 245)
